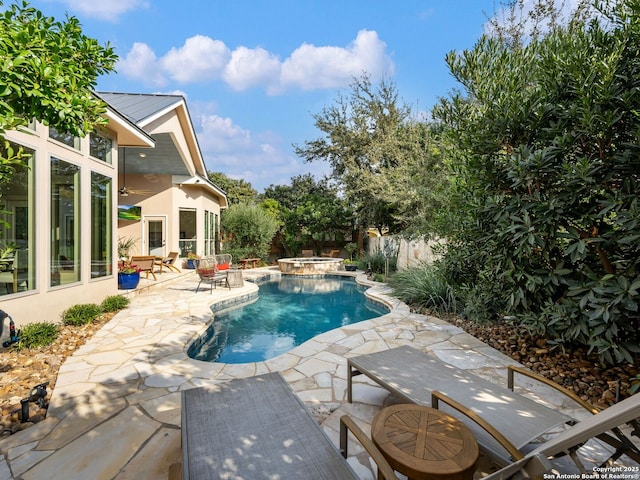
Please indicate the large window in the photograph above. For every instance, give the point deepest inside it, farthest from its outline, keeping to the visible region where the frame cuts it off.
(101, 226)
(100, 146)
(209, 233)
(66, 138)
(17, 231)
(65, 222)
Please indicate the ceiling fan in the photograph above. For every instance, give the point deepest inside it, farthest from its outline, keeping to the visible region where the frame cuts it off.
(124, 191)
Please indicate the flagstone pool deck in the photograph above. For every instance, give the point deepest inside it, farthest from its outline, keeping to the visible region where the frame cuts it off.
(115, 410)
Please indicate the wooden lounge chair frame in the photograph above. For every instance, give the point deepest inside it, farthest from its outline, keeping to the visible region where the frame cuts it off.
(146, 264)
(257, 427)
(490, 410)
(169, 262)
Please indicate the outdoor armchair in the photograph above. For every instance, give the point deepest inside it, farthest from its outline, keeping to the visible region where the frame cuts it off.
(208, 272)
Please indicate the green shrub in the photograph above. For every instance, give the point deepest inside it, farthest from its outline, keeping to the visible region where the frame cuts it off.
(424, 287)
(379, 262)
(81, 314)
(114, 303)
(250, 231)
(37, 334)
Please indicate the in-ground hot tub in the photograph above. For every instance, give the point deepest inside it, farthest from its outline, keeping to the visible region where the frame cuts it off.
(309, 265)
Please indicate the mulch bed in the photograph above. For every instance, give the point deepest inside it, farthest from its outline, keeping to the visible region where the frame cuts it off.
(570, 366)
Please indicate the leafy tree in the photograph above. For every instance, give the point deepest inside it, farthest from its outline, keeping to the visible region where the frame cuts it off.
(48, 72)
(238, 191)
(291, 196)
(309, 212)
(374, 148)
(248, 231)
(547, 152)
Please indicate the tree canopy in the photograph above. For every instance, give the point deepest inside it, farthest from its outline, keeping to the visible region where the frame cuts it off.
(48, 71)
(384, 160)
(238, 191)
(547, 156)
(309, 213)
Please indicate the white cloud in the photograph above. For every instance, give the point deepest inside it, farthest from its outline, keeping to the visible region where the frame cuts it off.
(109, 11)
(308, 68)
(258, 159)
(141, 63)
(251, 68)
(199, 59)
(221, 135)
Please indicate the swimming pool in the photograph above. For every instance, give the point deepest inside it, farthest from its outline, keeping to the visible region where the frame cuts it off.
(287, 313)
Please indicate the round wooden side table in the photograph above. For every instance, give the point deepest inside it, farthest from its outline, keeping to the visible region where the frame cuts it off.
(424, 443)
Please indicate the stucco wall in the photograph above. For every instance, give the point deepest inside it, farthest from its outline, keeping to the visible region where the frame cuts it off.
(410, 253)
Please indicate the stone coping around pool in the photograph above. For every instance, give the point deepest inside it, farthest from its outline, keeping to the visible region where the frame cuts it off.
(202, 370)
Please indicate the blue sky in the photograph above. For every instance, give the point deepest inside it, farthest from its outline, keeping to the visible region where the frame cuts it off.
(254, 72)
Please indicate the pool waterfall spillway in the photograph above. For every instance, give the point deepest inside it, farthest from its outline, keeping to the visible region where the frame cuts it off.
(309, 265)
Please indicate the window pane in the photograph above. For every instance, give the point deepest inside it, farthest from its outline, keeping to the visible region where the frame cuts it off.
(65, 222)
(66, 138)
(17, 232)
(100, 147)
(101, 226)
(188, 240)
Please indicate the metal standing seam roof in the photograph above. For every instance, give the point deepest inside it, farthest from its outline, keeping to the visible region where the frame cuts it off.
(137, 107)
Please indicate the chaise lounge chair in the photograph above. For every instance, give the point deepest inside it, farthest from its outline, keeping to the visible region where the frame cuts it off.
(600, 426)
(257, 428)
(506, 424)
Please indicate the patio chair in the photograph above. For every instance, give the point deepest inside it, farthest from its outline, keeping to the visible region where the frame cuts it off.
(506, 424)
(223, 261)
(257, 427)
(601, 426)
(169, 262)
(208, 272)
(146, 264)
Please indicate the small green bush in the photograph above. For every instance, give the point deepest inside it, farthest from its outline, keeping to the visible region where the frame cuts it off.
(378, 262)
(37, 334)
(81, 314)
(424, 287)
(114, 303)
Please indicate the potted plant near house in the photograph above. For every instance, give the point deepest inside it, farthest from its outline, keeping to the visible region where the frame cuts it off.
(191, 260)
(125, 245)
(128, 276)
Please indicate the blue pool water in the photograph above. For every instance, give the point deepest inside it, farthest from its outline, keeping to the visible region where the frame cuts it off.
(287, 313)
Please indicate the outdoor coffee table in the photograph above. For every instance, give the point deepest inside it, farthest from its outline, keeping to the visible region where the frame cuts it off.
(425, 443)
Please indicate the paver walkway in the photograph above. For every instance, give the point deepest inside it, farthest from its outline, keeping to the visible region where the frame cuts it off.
(115, 409)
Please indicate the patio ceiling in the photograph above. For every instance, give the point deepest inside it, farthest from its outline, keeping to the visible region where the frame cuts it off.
(163, 159)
